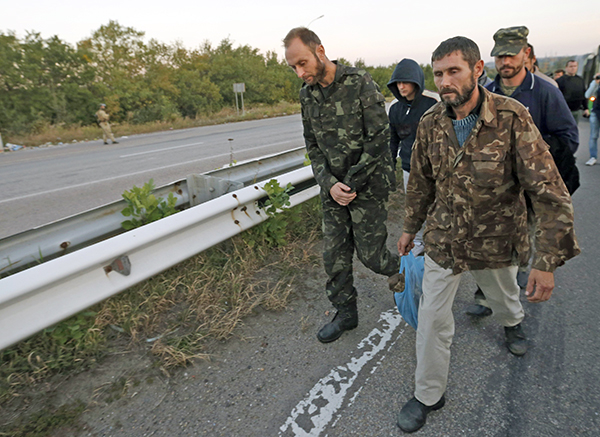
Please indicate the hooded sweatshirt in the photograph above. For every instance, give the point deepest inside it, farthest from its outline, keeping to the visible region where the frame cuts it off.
(404, 116)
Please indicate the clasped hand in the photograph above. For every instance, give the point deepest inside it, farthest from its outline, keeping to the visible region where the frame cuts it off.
(342, 194)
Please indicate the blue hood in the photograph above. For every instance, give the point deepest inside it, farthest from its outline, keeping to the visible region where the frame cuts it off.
(407, 70)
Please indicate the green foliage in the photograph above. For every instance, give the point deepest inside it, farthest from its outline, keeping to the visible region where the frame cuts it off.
(429, 83)
(306, 162)
(272, 232)
(279, 197)
(144, 207)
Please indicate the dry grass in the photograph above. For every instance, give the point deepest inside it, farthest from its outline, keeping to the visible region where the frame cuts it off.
(54, 134)
(173, 314)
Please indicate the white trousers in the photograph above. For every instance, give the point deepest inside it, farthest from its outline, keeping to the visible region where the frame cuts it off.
(436, 322)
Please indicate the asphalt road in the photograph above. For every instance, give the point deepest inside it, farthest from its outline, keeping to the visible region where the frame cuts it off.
(41, 185)
(275, 379)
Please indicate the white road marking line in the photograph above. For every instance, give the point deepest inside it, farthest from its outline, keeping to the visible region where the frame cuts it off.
(160, 150)
(327, 396)
(70, 187)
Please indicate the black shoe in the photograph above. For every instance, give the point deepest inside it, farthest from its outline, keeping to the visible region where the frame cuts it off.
(414, 414)
(516, 342)
(105, 142)
(115, 142)
(345, 319)
(478, 310)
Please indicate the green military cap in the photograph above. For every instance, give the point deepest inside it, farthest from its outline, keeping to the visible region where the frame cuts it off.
(510, 41)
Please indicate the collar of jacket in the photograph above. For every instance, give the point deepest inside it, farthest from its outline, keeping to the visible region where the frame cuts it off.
(316, 90)
(527, 84)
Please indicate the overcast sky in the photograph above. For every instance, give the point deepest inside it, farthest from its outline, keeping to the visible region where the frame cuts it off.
(380, 32)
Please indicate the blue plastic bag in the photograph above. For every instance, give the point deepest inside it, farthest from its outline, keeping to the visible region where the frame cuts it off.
(408, 300)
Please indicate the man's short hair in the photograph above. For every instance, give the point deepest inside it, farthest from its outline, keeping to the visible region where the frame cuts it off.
(307, 36)
(560, 70)
(569, 61)
(468, 48)
(531, 53)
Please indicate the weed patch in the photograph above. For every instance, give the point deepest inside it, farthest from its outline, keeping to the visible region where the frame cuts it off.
(47, 422)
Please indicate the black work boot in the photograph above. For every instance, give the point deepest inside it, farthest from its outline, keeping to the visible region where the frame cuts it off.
(414, 414)
(479, 308)
(345, 319)
(516, 341)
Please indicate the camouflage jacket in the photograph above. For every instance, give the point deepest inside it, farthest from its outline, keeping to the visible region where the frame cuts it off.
(102, 116)
(347, 134)
(472, 196)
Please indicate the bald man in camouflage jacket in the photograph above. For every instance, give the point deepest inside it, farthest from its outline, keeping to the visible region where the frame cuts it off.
(347, 136)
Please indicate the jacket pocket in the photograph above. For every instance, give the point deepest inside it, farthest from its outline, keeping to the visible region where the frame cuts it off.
(489, 167)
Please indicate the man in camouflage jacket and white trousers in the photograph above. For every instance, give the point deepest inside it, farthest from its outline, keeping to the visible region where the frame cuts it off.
(475, 155)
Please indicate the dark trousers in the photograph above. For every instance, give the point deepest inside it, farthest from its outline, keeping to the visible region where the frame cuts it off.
(360, 226)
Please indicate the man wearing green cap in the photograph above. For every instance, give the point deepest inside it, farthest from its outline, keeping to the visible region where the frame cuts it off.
(548, 109)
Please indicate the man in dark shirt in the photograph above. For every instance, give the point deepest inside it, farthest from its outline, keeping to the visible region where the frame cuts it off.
(573, 88)
(548, 110)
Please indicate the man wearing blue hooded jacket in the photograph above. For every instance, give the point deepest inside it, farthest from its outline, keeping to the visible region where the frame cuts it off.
(407, 85)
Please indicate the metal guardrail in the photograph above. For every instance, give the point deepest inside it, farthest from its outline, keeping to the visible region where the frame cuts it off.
(67, 235)
(43, 295)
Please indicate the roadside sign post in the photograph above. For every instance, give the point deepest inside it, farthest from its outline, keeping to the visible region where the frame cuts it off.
(239, 88)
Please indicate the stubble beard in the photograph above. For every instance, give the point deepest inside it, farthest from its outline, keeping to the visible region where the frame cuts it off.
(510, 72)
(463, 96)
(319, 74)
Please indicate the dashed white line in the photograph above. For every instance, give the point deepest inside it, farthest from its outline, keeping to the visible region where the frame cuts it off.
(167, 149)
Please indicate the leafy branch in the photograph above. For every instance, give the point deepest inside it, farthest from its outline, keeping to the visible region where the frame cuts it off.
(143, 207)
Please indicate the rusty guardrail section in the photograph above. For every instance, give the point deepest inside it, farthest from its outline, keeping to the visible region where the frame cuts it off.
(40, 296)
(65, 236)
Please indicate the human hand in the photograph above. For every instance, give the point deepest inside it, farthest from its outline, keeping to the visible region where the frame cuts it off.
(542, 283)
(405, 243)
(586, 113)
(342, 194)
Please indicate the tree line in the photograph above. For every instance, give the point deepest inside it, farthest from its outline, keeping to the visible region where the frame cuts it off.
(47, 82)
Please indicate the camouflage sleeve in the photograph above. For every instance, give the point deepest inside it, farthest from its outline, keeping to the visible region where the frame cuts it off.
(555, 240)
(375, 133)
(420, 192)
(318, 161)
